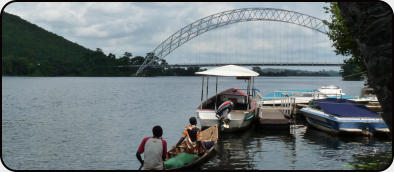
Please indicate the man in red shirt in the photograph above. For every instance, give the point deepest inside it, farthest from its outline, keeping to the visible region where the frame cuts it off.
(154, 149)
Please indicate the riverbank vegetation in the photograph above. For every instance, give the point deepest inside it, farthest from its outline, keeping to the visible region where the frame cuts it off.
(353, 68)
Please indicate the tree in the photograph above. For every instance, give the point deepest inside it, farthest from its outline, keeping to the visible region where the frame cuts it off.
(99, 50)
(350, 71)
(344, 44)
(127, 54)
(137, 60)
(111, 56)
(371, 26)
(258, 70)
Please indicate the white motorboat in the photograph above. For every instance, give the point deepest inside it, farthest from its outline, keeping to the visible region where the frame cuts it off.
(245, 104)
(331, 91)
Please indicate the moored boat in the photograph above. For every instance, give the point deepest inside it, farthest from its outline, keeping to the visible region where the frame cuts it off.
(209, 134)
(343, 116)
(306, 95)
(241, 115)
(300, 95)
(368, 97)
(245, 104)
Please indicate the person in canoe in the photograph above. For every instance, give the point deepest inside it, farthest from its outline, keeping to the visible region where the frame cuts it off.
(154, 149)
(192, 138)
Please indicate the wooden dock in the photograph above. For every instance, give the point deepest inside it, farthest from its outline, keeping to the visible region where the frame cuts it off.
(272, 117)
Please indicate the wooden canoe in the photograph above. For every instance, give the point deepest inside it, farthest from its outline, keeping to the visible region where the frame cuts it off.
(209, 134)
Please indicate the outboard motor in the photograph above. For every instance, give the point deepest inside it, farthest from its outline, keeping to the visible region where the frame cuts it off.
(222, 114)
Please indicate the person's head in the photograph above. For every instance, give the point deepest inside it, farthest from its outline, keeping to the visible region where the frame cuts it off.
(157, 131)
(193, 120)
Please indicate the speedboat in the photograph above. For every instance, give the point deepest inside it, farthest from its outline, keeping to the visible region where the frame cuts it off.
(245, 104)
(343, 116)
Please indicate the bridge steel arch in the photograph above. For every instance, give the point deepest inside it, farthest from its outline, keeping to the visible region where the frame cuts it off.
(229, 17)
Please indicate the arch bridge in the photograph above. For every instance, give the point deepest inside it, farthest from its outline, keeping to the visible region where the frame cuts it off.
(224, 18)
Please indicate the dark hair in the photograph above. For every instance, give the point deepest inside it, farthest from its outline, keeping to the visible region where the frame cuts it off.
(157, 131)
(193, 120)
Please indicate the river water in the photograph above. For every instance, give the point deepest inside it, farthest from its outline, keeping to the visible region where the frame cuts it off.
(92, 123)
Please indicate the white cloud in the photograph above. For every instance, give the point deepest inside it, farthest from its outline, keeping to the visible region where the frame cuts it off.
(90, 31)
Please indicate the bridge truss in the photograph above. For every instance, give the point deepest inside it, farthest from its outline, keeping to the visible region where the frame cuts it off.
(226, 18)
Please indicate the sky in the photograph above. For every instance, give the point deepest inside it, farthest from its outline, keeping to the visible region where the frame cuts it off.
(138, 27)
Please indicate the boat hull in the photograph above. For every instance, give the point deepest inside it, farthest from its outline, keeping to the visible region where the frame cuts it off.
(241, 115)
(334, 124)
(239, 119)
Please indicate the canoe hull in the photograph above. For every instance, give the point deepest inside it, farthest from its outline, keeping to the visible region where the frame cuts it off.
(210, 134)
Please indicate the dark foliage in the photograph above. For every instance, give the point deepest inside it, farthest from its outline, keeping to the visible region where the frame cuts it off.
(290, 72)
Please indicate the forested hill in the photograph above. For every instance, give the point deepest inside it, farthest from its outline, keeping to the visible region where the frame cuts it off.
(29, 50)
(21, 38)
(25, 47)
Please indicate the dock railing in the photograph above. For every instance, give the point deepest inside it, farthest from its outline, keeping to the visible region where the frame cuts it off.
(288, 100)
(257, 97)
(287, 104)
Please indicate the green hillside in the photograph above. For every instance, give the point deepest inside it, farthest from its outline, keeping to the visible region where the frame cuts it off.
(30, 50)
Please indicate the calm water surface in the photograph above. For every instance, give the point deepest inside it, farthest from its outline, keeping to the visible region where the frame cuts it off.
(66, 123)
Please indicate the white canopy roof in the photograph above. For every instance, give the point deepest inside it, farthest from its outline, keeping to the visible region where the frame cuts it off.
(229, 70)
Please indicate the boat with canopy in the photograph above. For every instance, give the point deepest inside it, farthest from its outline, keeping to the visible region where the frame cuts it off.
(244, 104)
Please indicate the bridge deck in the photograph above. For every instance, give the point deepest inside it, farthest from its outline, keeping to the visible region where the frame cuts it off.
(251, 64)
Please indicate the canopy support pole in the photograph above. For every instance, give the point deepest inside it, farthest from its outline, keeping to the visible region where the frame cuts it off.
(202, 91)
(247, 93)
(216, 92)
(253, 87)
(206, 97)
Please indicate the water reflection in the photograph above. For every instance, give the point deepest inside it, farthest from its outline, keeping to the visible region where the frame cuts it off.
(299, 147)
(244, 150)
(332, 141)
(234, 151)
